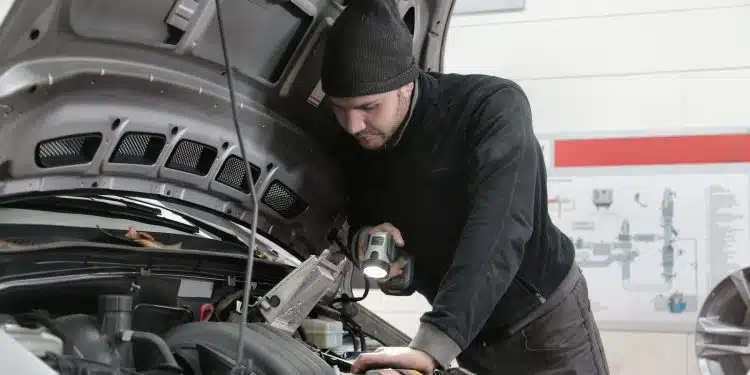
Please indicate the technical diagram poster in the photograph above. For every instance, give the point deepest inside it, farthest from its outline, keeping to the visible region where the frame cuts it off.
(651, 247)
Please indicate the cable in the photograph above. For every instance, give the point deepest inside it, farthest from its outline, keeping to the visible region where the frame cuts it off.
(345, 298)
(354, 330)
(254, 225)
(355, 341)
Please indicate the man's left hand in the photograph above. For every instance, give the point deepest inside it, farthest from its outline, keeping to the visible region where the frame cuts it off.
(396, 358)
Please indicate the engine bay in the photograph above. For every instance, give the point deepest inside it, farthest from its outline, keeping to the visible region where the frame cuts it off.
(169, 324)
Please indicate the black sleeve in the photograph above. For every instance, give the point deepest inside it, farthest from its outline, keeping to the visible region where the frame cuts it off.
(503, 165)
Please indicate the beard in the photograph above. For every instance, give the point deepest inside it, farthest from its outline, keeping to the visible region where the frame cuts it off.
(375, 139)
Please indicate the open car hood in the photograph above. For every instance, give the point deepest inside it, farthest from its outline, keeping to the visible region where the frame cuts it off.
(131, 97)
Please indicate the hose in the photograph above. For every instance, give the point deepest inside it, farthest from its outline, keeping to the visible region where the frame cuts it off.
(135, 336)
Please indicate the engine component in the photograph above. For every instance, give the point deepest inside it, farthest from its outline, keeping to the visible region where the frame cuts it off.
(159, 318)
(168, 360)
(105, 342)
(292, 299)
(115, 316)
(204, 347)
(71, 365)
(82, 337)
(323, 333)
(115, 313)
(93, 337)
(23, 361)
(36, 340)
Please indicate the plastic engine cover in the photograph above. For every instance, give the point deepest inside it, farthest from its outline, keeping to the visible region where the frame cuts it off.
(272, 351)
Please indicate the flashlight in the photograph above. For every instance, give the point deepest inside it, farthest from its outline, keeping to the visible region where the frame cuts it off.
(378, 255)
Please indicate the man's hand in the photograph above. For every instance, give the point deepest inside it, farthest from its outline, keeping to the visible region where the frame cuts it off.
(396, 358)
(397, 268)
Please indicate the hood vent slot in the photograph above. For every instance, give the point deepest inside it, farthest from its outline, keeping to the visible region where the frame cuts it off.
(138, 148)
(69, 150)
(234, 174)
(283, 200)
(192, 157)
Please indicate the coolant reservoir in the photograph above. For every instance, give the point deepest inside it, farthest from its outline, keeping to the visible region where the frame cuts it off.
(36, 340)
(324, 333)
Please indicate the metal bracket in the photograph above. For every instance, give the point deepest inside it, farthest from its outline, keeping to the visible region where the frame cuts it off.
(292, 299)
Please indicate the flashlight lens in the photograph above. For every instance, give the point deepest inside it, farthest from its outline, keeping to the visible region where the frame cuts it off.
(375, 272)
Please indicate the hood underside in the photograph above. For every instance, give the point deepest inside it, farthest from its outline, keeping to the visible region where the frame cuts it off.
(131, 97)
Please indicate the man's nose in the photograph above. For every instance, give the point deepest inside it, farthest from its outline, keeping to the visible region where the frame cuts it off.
(354, 122)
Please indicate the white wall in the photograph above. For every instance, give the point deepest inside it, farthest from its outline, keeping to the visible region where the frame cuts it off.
(616, 64)
(620, 65)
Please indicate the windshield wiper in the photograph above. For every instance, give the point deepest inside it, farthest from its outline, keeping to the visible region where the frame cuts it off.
(128, 208)
(105, 207)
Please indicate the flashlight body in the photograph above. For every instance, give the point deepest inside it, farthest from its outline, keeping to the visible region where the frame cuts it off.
(381, 252)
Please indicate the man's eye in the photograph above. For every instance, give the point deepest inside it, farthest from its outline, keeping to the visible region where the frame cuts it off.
(371, 107)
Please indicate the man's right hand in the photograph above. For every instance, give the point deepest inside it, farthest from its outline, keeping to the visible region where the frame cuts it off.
(397, 268)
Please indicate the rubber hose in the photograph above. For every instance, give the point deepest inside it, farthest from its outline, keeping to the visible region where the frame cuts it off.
(158, 342)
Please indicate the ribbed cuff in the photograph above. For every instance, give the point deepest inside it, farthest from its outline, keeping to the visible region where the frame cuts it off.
(437, 344)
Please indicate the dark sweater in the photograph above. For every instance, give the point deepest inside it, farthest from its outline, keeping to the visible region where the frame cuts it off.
(466, 186)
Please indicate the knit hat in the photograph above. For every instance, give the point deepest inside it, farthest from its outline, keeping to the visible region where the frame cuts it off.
(368, 51)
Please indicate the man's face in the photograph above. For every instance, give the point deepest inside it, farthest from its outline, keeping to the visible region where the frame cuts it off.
(373, 119)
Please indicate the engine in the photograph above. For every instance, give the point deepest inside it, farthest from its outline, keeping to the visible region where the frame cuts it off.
(170, 323)
(110, 342)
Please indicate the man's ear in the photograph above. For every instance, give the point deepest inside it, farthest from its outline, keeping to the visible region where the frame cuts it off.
(407, 89)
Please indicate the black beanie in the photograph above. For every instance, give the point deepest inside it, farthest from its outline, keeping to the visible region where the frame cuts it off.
(368, 51)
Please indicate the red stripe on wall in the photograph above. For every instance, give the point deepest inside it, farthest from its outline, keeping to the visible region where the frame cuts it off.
(697, 149)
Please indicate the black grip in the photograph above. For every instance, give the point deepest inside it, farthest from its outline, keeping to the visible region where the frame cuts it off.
(402, 285)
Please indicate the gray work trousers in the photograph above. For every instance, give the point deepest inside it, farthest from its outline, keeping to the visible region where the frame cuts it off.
(560, 338)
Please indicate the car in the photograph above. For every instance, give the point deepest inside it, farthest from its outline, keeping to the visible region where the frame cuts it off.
(147, 149)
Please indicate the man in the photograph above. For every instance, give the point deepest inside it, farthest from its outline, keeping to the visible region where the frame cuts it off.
(449, 164)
